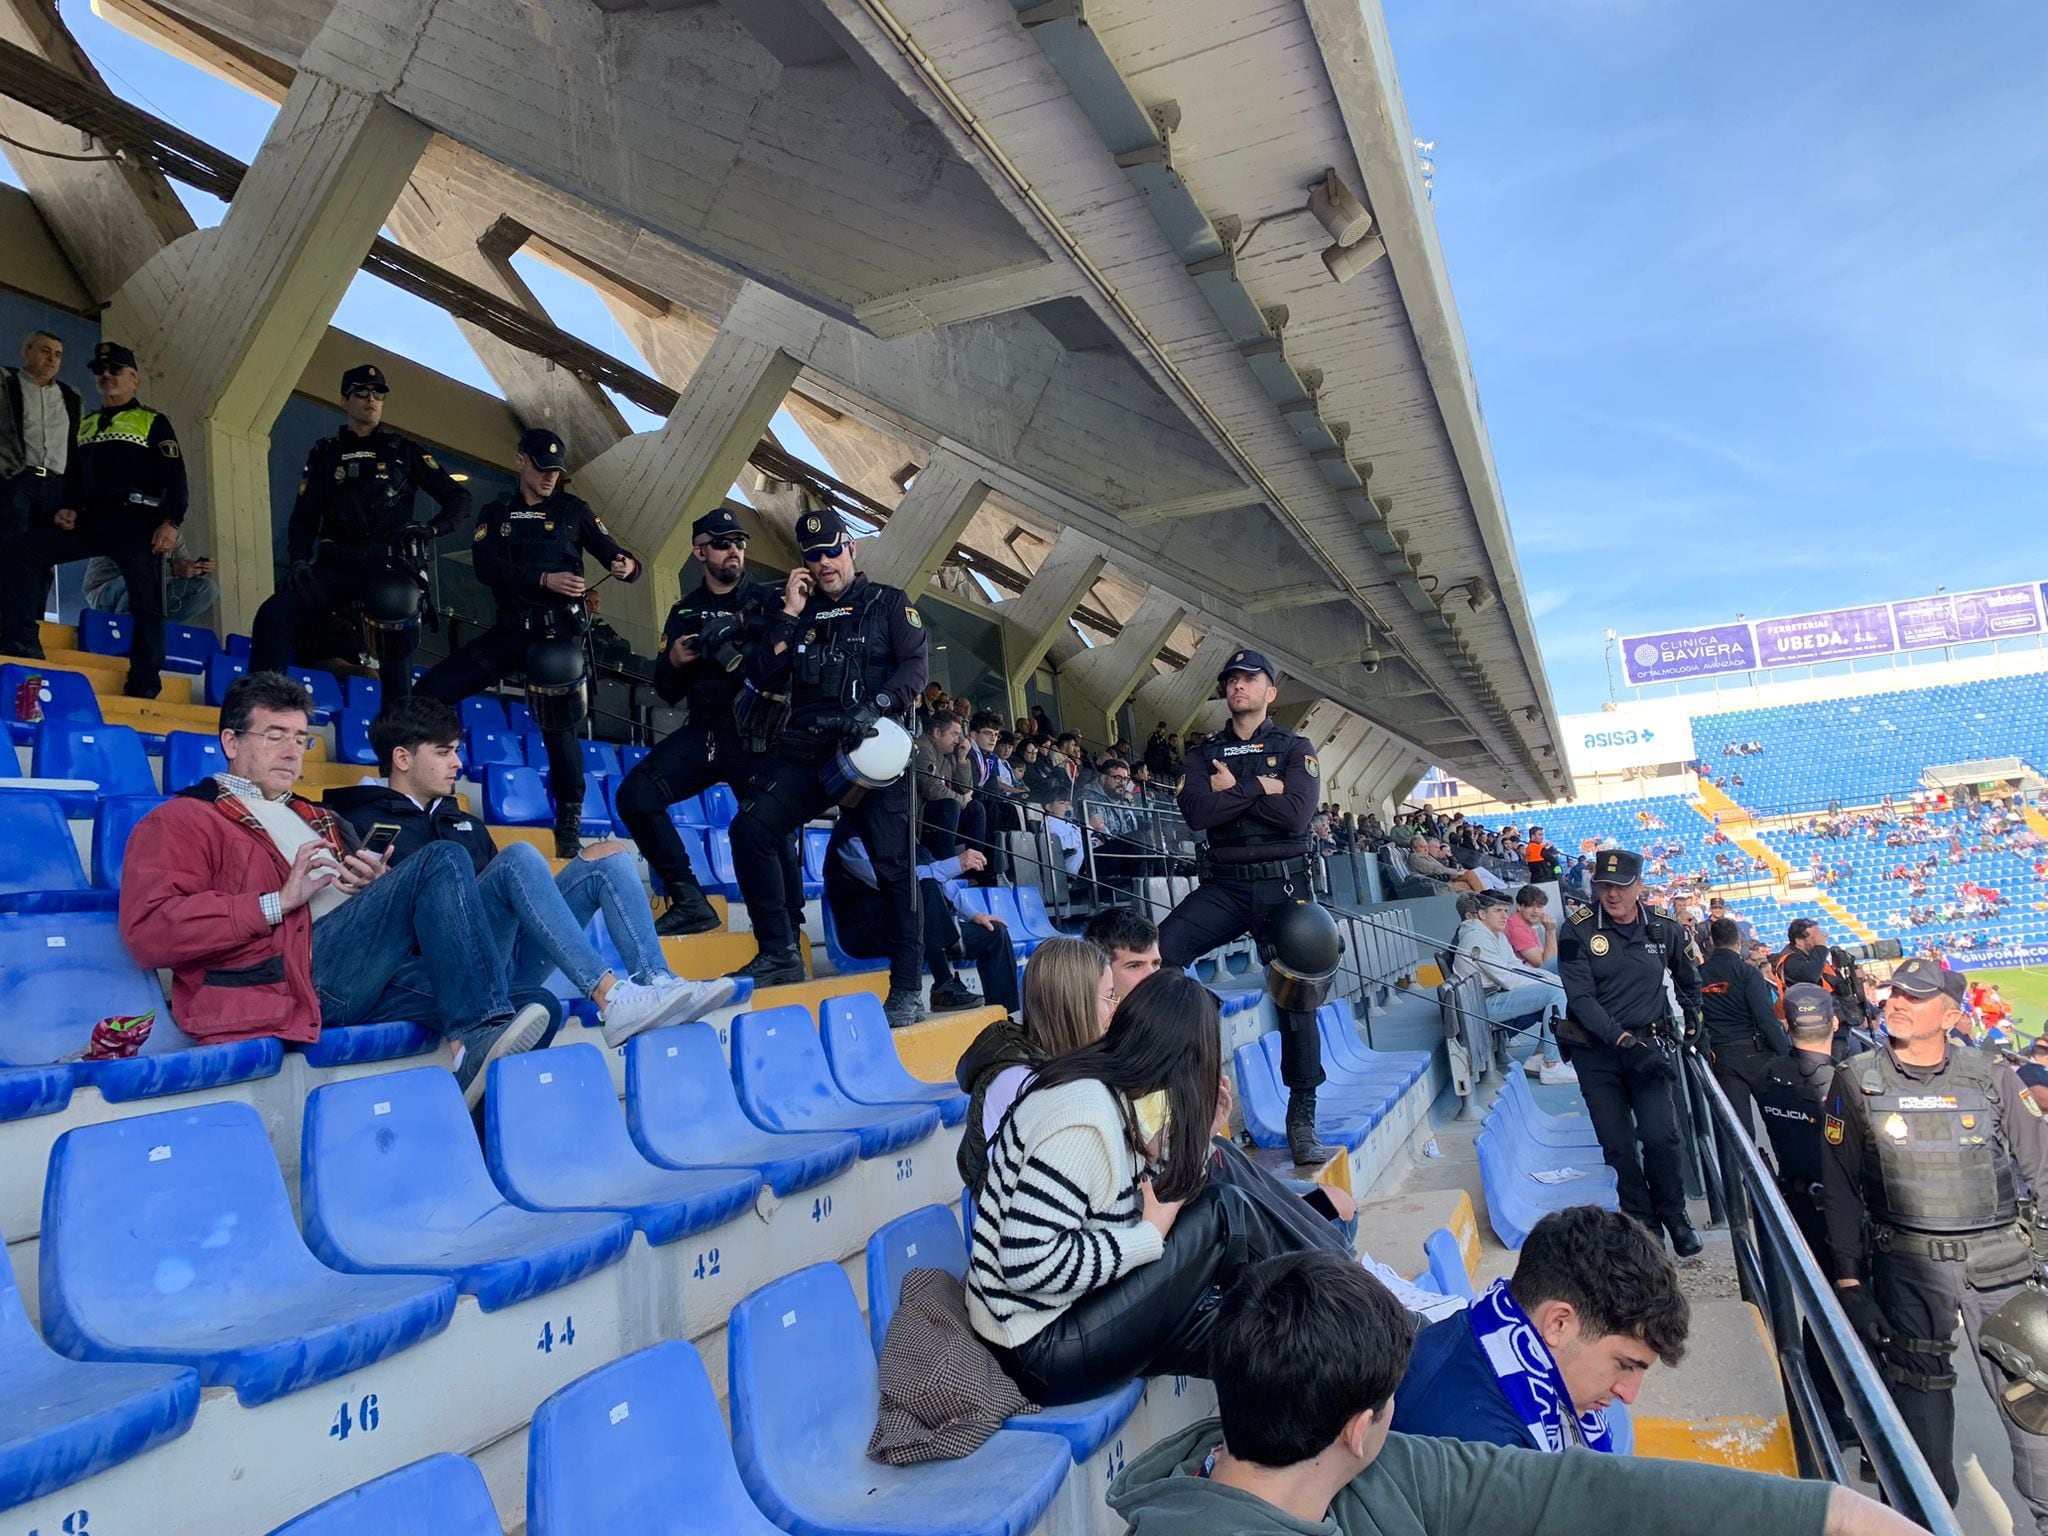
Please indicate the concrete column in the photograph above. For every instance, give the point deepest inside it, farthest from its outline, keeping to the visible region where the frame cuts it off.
(1175, 699)
(926, 524)
(652, 486)
(225, 320)
(1107, 675)
(110, 216)
(1034, 618)
(1340, 758)
(1374, 756)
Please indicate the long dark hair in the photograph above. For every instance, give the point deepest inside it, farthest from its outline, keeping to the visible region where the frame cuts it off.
(1165, 1035)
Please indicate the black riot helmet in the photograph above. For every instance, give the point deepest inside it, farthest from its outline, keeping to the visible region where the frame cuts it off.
(555, 683)
(2015, 1337)
(391, 612)
(1304, 947)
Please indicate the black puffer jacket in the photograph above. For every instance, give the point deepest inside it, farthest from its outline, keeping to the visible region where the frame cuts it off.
(1003, 1044)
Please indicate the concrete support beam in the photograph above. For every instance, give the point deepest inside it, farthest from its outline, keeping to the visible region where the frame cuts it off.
(1035, 618)
(652, 486)
(1308, 594)
(1177, 698)
(926, 524)
(1339, 757)
(1107, 675)
(1228, 499)
(225, 320)
(110, 216)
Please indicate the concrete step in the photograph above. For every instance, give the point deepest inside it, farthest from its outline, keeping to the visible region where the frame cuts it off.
(719, 953)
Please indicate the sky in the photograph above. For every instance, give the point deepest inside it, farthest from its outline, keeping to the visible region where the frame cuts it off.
(1755, 294)
(1756, 297)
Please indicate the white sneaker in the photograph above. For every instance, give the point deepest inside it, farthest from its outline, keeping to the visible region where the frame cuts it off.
(1536, 1063)
(632, 1007)
(1563, 1072)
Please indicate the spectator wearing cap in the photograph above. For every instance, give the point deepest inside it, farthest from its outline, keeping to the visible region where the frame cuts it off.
(1922, 1175)
(529, 548)
(1515, 990)
(1618, 1031)
(39, 416)
(348, 537)
(124, 497)
(705, 679)
(1739, 1019)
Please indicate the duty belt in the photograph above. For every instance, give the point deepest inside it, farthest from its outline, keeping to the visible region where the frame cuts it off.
(1889, 1239)
(1209, 867)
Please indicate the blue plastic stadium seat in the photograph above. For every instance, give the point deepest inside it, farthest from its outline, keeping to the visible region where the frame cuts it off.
(718, 842)
(536, 746)
(515, 797)
(188, 648)
(637, 1445)
(700, 861)
(681, 1113)
(221, 671)
(1264, 1103)
(443, 1495)
(816, 841)
(58, 696)
(353, 739)
(190, 756)
(391, 1180)
(1447, 1263)
(600, 759)
(631, 756)
(110, 756)
(364, 695)
(62, 1420)
(784, 1084)
(558, 1143)
(26, 1092)
(104, 634)
(345, 1045)
(518, 718)
(1515, 1202)
(62, 972)
(862, 1055)
(238, 645)
(325, 688)
(842, 962)
(480, 712)
(931, 1238)
(720, 806)
(691, 813)
(39, 868)
(803, 1405)
(168, 1238)
(1038, 922)
(488, 748)
(111, 828)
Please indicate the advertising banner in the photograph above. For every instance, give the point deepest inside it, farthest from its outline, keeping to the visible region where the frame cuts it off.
(1632, 736)
(1964, 617)
(1838, 635)
(1684, 653)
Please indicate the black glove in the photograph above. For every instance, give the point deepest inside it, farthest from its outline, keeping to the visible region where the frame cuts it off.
(860, 726)
(425, 533)
(1644, 1060)
(1865, 1316)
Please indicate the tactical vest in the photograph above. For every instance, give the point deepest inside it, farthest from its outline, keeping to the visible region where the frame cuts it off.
(1934, 1166)
(372, 494)
(844, 654)
(1791, 1105)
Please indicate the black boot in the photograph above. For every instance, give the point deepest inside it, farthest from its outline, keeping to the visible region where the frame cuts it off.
(1684, 1241)
(568, 831)
(903, 1006)
(688, 912)
(1302, 1145)
(771, 968)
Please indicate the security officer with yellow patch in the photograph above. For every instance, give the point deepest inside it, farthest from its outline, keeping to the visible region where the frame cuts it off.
(528, 548)
(124, 497)
(1252, 789)
(352, 523)
(1925, 1216)
(1618, 1032)
(842, 655)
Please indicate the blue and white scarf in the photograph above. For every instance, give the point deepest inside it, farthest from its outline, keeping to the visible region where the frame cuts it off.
(1529, 1376)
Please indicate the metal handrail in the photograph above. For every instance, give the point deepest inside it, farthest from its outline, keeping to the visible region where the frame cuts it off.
(1781, 1278)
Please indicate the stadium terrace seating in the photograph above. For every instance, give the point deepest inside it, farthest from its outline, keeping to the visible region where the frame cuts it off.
(631, 757)
(862, 1054)
(1523, 1152)
(365, 696)
(784, 1084)
(1263, 1099)
(29, 694)
(804, 1401)
(442, 1495)
(168, 1239)
(638, 1445)
(842, 962)
(110, 758)
(392, 1181)
(352, 739)
(488, 748)
(189, 757)
(480, 712)
(326, 691)
(221, 671)
(39, 868)
(112, 825)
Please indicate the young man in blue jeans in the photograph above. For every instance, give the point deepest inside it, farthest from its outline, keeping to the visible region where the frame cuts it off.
(538, 919)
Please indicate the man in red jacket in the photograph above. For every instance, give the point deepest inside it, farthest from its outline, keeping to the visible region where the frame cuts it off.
(274, 923)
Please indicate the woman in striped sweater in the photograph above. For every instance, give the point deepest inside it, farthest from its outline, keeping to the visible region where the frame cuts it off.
(1107, 1224)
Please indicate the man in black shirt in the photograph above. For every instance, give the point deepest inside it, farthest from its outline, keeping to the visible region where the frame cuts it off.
(1739, 1017)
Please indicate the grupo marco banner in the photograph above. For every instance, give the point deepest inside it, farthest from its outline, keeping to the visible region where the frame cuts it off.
(1839, 634)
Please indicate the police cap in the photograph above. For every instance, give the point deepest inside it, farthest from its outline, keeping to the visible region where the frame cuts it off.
(543, 449)
(819, 533)
(1808, 1006)
(365, 376)
(1248, 661)
(1617, 866)
(718, 523)
(1921, 977)
(2033, 1074)
(110, 357)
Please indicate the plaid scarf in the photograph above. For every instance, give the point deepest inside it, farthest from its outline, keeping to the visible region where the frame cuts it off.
(231, 804)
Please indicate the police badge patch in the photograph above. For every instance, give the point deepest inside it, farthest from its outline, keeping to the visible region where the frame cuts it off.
(1314, 770)
(1831, 1128)
(482, 529)
(1599, 944)
(911, 617)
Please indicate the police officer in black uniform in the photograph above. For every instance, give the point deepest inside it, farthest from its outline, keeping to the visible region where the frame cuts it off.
(353, 513)
(528, 548)
(841, 653)
(1924, 1213)
(1739, 1018)
(706, 751)
(124, 497)
(1618, 1032)
(1252, 788)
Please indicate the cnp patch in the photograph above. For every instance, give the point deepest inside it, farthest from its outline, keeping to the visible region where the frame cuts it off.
(1599, 944)
(482, 531)
(1831, 1128)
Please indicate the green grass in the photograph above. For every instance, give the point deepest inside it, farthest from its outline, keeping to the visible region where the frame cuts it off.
(2026, 989)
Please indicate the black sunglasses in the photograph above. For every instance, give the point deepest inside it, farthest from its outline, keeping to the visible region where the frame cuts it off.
(726, 541)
